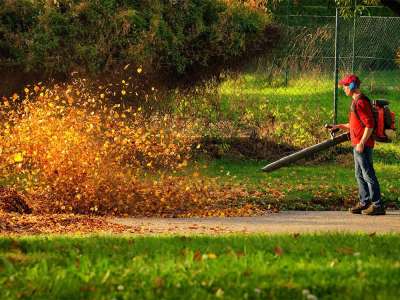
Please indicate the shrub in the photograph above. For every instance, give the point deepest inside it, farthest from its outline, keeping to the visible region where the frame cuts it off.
(93, 36)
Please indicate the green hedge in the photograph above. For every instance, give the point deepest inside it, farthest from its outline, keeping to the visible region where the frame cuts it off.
(98, 35)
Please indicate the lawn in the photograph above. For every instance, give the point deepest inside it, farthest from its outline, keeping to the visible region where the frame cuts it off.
(330, 266)
(307, 184)
(312, 186)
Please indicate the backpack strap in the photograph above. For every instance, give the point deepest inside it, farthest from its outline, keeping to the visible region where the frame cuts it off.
(354, 108)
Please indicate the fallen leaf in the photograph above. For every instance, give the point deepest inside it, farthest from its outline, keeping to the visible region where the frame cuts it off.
(197, 255)
(345, 250)
(159, 282)
(239, 253)
(278, 251)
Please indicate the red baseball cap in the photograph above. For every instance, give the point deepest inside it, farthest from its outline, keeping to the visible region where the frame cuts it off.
(349, 79)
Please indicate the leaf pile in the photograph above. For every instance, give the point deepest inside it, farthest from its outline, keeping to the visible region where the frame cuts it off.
(12, 201)
(56, 223)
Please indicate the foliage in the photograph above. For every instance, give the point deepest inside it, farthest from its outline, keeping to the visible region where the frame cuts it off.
(350, 7)
(163, 36)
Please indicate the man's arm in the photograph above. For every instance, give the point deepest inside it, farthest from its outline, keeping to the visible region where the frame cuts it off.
(364, 139)
(366, 135)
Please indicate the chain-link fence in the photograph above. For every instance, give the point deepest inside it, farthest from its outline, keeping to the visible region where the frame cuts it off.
(365, 44)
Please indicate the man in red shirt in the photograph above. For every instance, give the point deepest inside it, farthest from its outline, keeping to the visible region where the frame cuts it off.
(361, 125)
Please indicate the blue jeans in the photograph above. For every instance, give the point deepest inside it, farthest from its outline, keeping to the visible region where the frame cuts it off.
(368, 185)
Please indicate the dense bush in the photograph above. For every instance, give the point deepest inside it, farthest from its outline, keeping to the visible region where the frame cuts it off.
(98, 35)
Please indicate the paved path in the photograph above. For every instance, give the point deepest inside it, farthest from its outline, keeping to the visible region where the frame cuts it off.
(282, 222)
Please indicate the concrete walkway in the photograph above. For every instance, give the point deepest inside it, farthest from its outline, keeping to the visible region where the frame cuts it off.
(282, 222)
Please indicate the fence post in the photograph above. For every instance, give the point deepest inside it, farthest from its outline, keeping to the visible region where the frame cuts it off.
(287, 44)
(336, 75)
(354, 36)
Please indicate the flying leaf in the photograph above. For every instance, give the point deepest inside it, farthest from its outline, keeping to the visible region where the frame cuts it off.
(18, 157)
(15, 97)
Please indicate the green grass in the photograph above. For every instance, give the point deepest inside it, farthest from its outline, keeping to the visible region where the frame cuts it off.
(330, 266)
(315, 91)
(386, 157)
(308, 185)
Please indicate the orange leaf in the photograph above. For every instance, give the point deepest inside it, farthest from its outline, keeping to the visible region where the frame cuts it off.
(278, 251)
(197, 255)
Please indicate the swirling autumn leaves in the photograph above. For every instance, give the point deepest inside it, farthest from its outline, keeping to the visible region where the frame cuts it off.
(71, 151)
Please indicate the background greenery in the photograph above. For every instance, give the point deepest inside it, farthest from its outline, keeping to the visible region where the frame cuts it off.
(92, 36)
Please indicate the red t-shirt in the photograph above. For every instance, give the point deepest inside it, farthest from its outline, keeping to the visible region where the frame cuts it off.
(364, 111)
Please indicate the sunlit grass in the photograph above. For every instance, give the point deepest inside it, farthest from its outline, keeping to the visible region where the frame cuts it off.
(339, 266)
(307, 181)
(312, 90)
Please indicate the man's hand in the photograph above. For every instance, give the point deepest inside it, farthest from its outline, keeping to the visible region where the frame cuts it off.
(345, 127)
(367, 133)
(360, 147)
(333, 127)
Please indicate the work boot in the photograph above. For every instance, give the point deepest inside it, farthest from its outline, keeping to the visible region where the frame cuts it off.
(359, 208)
(374, 210)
